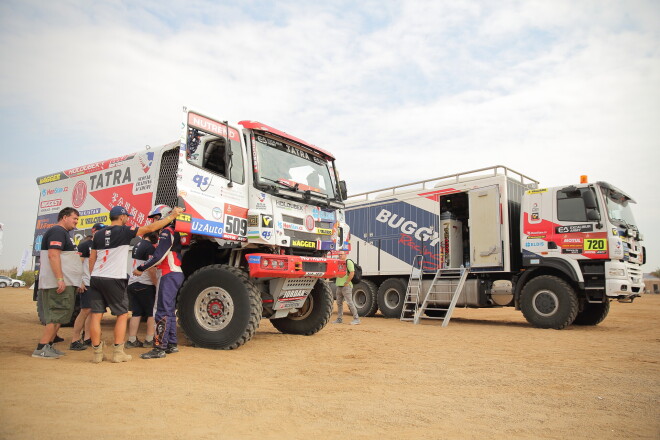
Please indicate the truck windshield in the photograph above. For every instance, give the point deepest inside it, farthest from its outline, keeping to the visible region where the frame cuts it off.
(618, 208)
(293, 167)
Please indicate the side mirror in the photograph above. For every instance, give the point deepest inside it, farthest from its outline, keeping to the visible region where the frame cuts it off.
(343, 192)
(589, 200)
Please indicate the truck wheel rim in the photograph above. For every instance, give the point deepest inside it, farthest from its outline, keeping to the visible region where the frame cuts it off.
(392, 298)
(360, 298)
(545, 302)
(214, 309)
(304, 311)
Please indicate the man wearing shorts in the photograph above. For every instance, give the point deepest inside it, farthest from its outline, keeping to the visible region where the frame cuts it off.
(142, 293)
(82, 320)
(59, 276)
(107, 262)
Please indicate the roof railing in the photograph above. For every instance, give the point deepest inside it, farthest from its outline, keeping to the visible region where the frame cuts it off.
(448, 179)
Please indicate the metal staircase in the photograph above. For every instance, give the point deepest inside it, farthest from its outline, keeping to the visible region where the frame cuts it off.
(413, 291)
(446, 282)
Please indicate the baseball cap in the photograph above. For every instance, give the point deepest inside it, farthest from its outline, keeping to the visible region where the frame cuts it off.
(116, 211)
(98, 226)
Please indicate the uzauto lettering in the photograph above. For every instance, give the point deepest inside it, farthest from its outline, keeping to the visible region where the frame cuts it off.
(97, 181)
(408, 227)
(214, 229)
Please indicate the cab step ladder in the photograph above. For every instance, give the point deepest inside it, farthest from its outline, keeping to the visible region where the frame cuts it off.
(414, 290)
(446, 281)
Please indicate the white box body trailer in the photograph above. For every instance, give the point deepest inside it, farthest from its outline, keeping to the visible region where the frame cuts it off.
(510, 234)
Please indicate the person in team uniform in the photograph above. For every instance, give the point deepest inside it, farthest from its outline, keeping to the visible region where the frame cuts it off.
(167, 258)
(78, 343)
(142, 293)
(59, 276)
(107, 262)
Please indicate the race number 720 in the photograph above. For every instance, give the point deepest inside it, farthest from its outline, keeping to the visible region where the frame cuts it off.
(595, 244)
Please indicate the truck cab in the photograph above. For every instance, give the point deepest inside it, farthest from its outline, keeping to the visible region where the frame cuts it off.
(588, 232)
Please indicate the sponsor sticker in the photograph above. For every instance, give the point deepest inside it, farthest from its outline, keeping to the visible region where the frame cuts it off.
(570, 229)
(304, 244)
(266, 221)
(52, 178)
(79, 194)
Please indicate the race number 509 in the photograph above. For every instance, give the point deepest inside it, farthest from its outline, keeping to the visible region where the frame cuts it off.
(235, 225)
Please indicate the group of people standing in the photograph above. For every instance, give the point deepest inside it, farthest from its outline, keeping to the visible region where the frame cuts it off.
(102, 282)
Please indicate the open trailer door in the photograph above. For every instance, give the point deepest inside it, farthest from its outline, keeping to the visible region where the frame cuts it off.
(485, 227)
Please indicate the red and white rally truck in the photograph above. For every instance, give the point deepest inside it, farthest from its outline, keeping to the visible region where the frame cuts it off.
(262, 211)
(558, 254)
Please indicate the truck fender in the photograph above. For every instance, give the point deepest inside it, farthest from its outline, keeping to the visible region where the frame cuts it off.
(554, 265)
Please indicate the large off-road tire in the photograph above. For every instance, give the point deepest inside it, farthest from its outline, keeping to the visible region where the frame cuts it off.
(41, 315)
(219, 307)
(593, 314)
(365, 298)
(312, 316)
(391, 296)
(549, 302)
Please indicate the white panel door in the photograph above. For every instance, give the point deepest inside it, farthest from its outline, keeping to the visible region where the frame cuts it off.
(485, 227)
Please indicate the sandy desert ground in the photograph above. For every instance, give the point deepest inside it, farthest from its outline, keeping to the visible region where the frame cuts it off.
(488, 375)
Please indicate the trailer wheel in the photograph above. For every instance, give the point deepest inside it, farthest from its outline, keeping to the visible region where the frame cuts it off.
(593, 314)
(365, 298)
(549, 302)
(312, 316)
(219, 307)
(391, 295)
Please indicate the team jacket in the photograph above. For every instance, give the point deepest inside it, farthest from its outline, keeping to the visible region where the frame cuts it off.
(167, 256)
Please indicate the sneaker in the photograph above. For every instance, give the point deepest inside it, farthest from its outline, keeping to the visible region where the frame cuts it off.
(88, 342)
(136, 344)
(337, 321)
(148, 343)
(155, 353)
(172, 349)
(355, 321)
(78, 345)
(44, 353)
(54, 350)
(57, 339)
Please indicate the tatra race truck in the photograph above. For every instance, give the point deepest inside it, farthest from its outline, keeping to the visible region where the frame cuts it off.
(263, 210)
(557, 254)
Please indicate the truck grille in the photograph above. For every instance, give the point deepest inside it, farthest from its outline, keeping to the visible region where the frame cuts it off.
(166, 193)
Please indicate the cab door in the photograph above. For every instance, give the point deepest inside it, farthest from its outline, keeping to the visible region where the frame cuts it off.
(485, 223)
(211, 179)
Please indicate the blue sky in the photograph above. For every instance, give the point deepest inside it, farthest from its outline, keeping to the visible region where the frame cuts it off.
(417, 89)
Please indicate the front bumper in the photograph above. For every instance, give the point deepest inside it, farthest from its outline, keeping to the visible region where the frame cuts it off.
(630, 284)
(293, 266)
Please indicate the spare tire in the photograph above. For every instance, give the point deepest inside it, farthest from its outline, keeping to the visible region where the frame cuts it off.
(312, 316)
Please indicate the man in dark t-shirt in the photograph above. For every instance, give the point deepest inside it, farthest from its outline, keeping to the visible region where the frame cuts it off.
(107, 262)
(142, 293)
(82, 320)
(60, 275)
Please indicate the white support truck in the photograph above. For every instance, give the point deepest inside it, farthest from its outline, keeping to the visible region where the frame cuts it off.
(262, 211)
(558, 254)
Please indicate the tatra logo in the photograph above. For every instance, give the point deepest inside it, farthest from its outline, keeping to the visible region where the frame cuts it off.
(304, 243)
(102, 180)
